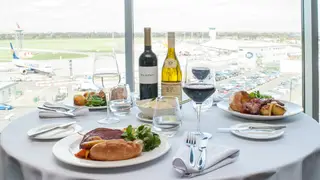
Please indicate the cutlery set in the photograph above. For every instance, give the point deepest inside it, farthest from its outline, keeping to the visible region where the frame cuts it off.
(254, 128)
(59, 108)
(62, 126)
(191, 142)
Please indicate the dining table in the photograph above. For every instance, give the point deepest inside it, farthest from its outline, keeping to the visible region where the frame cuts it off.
(293, 156)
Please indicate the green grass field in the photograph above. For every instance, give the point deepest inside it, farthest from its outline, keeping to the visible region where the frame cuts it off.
(47, 56)
(104, 45)
(81, 45)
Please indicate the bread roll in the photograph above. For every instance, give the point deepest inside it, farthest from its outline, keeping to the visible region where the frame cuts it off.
(116, 149)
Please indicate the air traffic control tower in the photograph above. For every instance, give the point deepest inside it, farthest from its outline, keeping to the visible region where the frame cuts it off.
(212, 33)
(19, 37)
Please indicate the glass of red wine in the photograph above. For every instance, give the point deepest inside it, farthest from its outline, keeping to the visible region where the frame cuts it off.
(199, 85)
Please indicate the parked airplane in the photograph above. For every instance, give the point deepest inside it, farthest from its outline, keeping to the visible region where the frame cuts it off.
(27, 66)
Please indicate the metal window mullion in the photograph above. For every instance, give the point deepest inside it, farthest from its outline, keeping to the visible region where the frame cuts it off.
(310, 68)
(129, 46)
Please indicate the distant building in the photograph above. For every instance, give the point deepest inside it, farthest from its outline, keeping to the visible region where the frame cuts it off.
(266, 55)
(251, 54)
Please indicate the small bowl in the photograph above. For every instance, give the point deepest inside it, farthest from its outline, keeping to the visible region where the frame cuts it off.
(149, 111)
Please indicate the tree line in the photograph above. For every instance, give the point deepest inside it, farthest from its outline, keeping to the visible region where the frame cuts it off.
(179, 35)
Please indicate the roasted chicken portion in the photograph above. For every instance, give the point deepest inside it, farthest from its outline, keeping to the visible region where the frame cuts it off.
(243, 103)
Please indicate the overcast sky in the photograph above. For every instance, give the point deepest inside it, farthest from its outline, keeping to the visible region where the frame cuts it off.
(161, 15)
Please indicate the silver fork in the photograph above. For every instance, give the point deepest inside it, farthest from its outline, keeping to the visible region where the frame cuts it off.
(191, 143)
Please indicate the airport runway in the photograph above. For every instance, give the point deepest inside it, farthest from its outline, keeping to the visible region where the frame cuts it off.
(39, 88)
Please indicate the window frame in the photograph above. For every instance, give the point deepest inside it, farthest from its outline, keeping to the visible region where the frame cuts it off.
(310, 58)
(310, 54)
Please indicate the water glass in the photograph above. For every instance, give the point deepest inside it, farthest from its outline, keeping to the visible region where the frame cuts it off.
(120, 100)
(167, 116)
(120, 107)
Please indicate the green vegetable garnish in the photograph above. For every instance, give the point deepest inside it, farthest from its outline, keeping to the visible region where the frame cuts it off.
(256, 94)
(150, 140)
(95, 100)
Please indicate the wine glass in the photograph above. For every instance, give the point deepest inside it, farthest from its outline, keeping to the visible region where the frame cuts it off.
(105, 76)
(199, 85)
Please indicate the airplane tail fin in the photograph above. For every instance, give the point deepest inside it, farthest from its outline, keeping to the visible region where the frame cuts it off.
(14, 55)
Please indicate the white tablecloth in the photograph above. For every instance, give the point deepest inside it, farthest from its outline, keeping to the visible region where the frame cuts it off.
(295, 156)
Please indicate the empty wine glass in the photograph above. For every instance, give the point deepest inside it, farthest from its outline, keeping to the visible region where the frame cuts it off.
(105, 76)
(199, 86)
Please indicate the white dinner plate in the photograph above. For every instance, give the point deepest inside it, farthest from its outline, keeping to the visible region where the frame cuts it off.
(97, 107)
(292, 109)
(54, 134)
(65, 149)
(92, 107)
(144, 118)
(256, 134)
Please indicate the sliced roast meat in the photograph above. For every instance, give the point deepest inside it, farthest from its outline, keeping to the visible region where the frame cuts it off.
(253, 106)
(101, 133)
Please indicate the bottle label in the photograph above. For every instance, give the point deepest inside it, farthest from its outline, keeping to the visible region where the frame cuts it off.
(148, 75)
(170, 63)
(171, 89)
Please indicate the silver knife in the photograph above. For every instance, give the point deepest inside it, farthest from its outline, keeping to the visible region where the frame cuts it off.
(203, 153)
(53, 128)
(57, 111)
(267, 128)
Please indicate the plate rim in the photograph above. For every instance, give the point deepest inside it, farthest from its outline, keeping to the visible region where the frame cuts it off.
(258, 117)
(96, 107)
(167, 147)
(92, 107)
(143, 119)
(77, 128)
(281, 132)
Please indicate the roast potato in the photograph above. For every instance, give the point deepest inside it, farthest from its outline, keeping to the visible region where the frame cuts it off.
(79, 100)
(266, 110)
(278, 110)
(90, 144)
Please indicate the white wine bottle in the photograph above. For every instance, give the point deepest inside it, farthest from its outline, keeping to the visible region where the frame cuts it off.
(171, 71)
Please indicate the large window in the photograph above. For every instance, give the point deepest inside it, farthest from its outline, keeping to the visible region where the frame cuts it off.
(255, 45)
(54, 42)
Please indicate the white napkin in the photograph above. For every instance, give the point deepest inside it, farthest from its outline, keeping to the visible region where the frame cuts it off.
(217, 157)
(80, 111)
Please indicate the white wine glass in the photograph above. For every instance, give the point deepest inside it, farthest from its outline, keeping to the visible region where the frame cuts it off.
(105, 76)
(199, 86)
